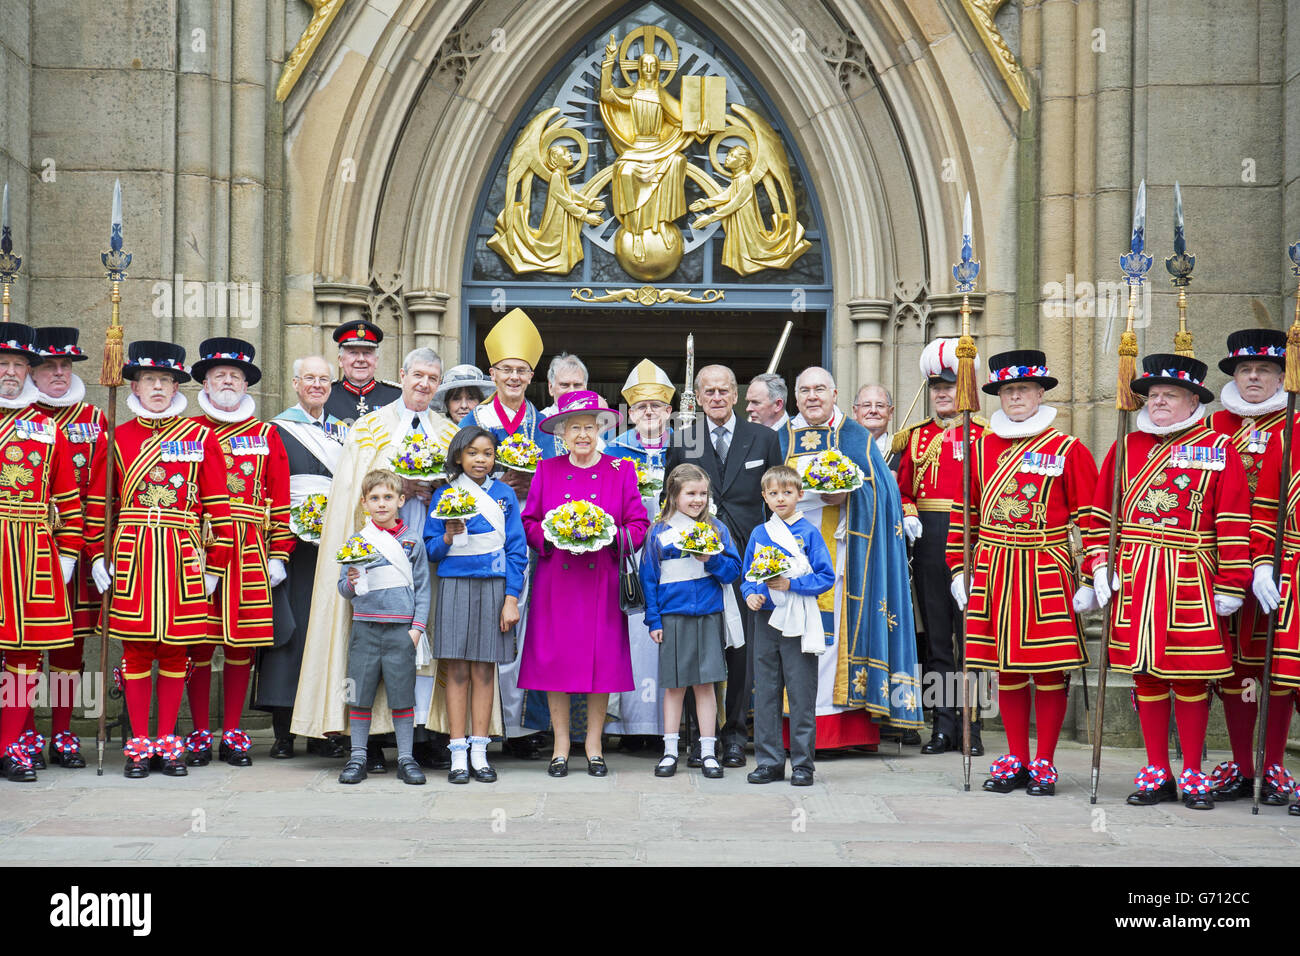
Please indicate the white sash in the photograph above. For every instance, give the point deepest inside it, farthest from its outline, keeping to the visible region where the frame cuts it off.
(302, 487)
(483, 542)
(796, 615)
(398, 572)
(689, 569)
(323, 448)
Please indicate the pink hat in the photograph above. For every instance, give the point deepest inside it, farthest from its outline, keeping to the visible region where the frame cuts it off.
(572, 404)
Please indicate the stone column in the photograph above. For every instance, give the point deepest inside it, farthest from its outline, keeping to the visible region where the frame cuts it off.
(869, 318)
(428, 312)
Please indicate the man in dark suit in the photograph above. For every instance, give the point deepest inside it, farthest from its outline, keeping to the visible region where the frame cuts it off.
(734, 454)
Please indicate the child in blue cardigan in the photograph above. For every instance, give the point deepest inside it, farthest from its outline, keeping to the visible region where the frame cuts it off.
(481, 565)
(684, 602)
(785, 657)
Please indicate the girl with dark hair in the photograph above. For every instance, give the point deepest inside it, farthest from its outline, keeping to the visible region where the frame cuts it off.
(481, 558)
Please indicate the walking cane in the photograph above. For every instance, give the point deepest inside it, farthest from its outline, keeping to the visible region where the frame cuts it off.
(110, 376)
(968, 400)
(1291, 383)
(1135, 264)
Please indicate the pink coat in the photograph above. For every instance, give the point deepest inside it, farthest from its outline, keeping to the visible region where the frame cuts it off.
(576, 638)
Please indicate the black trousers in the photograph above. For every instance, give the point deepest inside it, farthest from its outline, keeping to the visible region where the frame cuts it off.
(942, 620)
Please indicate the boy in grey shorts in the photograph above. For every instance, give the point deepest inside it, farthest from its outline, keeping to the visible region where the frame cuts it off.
(390, 607)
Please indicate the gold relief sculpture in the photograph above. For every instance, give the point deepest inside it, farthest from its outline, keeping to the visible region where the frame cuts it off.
(556, 244)
(650, 130)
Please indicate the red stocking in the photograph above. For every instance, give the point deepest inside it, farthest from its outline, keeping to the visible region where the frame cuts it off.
(1050, 699)
(238, 670)
(1192, 711)
(1153, 714)
(1013, 703)
(1240, 715)
(1279, 724)
(200, 685)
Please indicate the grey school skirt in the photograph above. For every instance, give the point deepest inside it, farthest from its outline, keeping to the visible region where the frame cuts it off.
(692, 650)
(467, 626)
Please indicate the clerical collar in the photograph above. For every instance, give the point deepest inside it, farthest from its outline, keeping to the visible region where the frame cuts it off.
(359, 389)
(76, 393)
(836, 416)
(1035, 424)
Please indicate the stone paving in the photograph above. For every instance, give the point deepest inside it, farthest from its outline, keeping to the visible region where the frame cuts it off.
(884, 808)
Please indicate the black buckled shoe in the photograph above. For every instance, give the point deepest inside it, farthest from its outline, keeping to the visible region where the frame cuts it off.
(408, 771)
(733, 755)
(1148, 798)
(559, 767)
(70, 758)
(763, 774)
(712, 768)
(666, 767)
(282, 749)
(332, 747)
(233, 757)
(939, 743)
(375, 762)
(458, 776)
(483, 774)
(801, 777)
(16, 772)
(1239, 787)
(1198, 801)
(354, 771)
(596, 766)
(198, 758)
(1017, 781)
(524, 748)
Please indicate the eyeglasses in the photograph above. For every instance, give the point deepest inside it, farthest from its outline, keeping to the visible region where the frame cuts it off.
(873, 406)
(805, 390)
(514, 371)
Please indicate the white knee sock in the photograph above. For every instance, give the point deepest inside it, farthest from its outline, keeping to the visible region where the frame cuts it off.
(708, 746)
(670, 745)
(458, 747)
(478, 752)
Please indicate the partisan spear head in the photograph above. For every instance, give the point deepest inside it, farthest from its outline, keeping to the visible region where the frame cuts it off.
(968, 268)
(1180, 264)
(115, 260)
(1136, 263)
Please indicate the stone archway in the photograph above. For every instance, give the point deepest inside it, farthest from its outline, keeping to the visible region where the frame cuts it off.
(400, 120)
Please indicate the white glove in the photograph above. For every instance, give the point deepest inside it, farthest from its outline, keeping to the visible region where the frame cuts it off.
(1265, 588)
(210, 582)
(69, 565)
(912, 527)
(102, 575)
(275, 571)
(1225, 605)
(1102, 588)
(1085, 599)
(958, 590)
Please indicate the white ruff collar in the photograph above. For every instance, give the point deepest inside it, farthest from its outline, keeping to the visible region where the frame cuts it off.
(1035, 424)
(1145, 423)
(171, 411)
(242, 413)
(1231, 399)
(28, 396)
(76, 393)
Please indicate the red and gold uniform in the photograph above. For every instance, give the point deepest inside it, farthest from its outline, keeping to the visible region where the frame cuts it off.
(1025, 493)
(929, 479)
(1284, 691)
(82, 424)
(40, 522)
(1029, 481)
(1184, 538)
(255, 476)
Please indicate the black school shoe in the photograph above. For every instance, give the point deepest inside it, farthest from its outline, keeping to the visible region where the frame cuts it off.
(408, 771)
(354, 771)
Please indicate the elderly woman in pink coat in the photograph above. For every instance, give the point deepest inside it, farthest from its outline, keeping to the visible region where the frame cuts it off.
(577, 639)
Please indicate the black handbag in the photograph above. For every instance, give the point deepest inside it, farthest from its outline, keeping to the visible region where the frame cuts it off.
(631, 598)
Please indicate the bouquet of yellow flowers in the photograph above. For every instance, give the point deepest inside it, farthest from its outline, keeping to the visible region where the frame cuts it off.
(646, 482)
(420, 458)
(356, 550)
(519, 453)
(768, 563)
(579, 526)
(832, 472)
(456, 504)
(700, 538)
(308, 518)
